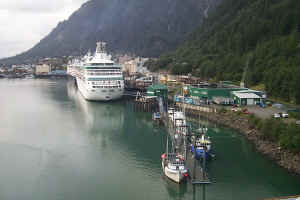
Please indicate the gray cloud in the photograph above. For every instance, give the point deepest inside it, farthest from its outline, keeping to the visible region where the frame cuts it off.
(25, 22)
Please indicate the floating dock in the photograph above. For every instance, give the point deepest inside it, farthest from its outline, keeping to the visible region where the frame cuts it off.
(196, 172)
(180, 143)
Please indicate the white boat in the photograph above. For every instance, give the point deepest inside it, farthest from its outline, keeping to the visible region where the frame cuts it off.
(174, 167)
(178, 121)
(98, 77)
(171, 111)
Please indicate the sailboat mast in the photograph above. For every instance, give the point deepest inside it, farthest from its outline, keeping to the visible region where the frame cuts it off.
(167, 147)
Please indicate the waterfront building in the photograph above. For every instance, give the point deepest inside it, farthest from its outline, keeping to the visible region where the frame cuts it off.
(144, 81)
(42, 69)
(243, 99)
(227, 96)
(21, 68)
(135, 66)
(130, 67)
(123, 59)
(158, 90)
(248, 97)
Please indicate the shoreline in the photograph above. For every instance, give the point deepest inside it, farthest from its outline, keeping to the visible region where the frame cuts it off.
(284, 158)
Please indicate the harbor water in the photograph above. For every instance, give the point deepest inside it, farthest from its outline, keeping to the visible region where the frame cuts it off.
(54, 145)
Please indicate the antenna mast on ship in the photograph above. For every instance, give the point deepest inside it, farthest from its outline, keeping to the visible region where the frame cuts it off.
(101, 47)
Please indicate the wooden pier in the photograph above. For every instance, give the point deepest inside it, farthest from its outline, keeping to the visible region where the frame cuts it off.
(180, 143)
(145, 106)
(196, 172)
(193, 109)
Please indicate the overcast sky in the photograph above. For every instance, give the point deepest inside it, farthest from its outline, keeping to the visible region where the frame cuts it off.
(23, 23)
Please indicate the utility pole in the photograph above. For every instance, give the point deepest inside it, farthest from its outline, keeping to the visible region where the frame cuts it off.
(242, 85)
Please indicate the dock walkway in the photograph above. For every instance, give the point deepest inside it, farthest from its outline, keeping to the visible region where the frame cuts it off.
(180, 145)
(195, 171)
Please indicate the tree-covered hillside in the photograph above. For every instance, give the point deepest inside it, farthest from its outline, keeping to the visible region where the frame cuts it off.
(141, 27)
(263, 33)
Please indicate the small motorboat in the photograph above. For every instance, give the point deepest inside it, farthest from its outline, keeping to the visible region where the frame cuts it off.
(156, 116)
(202, 147)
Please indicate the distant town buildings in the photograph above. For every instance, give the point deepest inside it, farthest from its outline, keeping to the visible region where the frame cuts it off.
(22, 69)
(123, 59)
(42, 69)
(135, 65)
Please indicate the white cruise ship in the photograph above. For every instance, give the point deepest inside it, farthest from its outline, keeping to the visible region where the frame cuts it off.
(98, 77)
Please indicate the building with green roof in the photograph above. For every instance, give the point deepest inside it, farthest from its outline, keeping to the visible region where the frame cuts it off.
(158, 90)
(210, 93)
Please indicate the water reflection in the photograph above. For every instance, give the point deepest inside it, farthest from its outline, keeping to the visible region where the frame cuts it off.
(106, 116)
(176, 191)
(56, 145)
(115, 124)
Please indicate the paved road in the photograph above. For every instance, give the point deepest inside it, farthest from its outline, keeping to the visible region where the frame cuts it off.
(264, 113)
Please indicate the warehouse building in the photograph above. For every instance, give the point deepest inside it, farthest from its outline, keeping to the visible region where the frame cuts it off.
(210, 93)
(158, 90)
(42, 69)
(227, 96)
(259, 93)
(246, 99)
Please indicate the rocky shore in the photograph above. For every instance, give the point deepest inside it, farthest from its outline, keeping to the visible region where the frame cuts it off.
(284, 158)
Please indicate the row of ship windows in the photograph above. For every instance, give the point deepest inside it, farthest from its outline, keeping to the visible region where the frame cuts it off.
(103, 74)
(102, 64)
(112, 70)
(116, 86)
(107, 90)
(106, 82)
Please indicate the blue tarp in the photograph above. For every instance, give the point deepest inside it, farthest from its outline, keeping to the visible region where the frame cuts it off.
(188, 100)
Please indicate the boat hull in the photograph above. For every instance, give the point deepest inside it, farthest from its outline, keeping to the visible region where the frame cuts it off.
(175, 175)
(200, 153)
(99, 94)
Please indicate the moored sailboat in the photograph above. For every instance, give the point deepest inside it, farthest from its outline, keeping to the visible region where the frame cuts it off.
(174, 167)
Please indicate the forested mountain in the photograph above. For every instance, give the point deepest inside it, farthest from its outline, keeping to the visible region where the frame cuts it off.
(263, 33)
(141, 27)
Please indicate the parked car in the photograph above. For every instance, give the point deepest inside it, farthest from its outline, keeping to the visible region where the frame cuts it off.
(245, 111)
(235, 109)
(269, 103)
(298, 122)
(277, 115)
(285, 115)
(277, 105)
(262, 105)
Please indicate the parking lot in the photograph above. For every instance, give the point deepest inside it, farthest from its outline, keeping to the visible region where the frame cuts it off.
(264, 113)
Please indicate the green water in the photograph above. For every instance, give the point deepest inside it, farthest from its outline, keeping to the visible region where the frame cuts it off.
(55, 145)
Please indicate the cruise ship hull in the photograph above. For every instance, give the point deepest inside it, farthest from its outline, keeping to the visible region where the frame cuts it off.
(99, 94)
